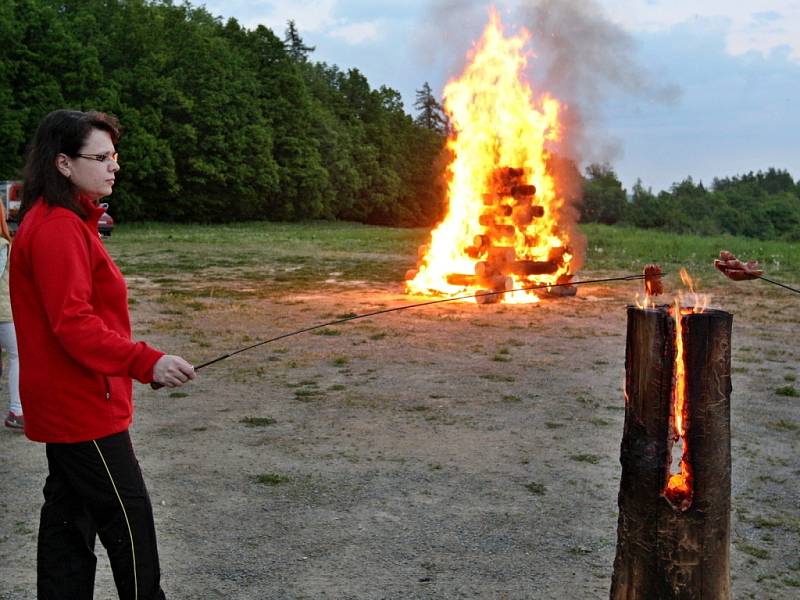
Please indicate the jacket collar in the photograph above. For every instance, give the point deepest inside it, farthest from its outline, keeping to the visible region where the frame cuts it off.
(93, 211)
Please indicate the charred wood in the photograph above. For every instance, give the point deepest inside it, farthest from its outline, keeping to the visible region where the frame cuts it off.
(502, 232)
(526, 268)
(485, 297)
(523, 191)
(664, 551)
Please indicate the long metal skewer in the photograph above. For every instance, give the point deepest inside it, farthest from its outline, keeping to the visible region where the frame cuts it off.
(157, 386)
(795, 290)
(407, 306)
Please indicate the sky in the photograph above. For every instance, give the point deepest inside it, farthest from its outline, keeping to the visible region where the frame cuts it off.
(660, 90)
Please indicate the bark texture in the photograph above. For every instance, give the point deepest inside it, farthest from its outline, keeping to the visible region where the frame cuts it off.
(664, 552)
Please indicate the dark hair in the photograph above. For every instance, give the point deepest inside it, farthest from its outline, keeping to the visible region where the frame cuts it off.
(60, 132)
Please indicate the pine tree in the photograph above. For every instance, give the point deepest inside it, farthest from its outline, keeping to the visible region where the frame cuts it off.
(431, 114)
(295, 45)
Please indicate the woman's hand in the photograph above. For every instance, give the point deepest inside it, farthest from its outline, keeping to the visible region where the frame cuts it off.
(172, 371)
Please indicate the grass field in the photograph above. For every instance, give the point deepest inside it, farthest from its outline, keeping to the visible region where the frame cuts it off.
(313, 250)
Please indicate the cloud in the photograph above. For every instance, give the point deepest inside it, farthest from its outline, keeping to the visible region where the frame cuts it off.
(589, 62)
(750, 25)
(321, 17)
(309, 16)
(357, 33)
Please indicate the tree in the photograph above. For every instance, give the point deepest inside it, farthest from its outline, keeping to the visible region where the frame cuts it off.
(431, 115)
(603, 195)
(295, 45)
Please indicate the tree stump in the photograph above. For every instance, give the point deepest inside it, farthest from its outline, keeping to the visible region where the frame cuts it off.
(666, 551)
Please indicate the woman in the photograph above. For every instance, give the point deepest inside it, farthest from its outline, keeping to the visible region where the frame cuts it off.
(8, 337)
(77, 363)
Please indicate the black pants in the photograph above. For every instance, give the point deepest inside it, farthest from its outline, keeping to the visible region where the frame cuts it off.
(94, 489)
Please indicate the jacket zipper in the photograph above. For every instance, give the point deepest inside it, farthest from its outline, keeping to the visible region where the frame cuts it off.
(108, 388)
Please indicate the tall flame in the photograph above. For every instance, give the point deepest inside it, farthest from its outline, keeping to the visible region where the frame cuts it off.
(499, 138)
(679, 488)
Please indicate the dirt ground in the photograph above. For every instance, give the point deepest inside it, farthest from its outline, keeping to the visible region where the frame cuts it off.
(450, 451)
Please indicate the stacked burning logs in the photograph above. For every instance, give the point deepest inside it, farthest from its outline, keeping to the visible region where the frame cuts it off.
(509, 209)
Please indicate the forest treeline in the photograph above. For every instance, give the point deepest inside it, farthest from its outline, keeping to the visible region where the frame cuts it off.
(765, 204)
(220, 122)
(225, 123)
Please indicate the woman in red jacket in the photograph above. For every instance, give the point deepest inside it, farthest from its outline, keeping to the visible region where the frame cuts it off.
(77, 362)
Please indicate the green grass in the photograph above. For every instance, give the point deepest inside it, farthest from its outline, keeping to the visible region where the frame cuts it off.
(537, 489)
(267, 257)
(751, 550)
(271, 479)
(625, 248)
(783, 425)
(326, 331)
(281, 253)
(496, 377)
(592, 459)
(787, 390)
(511, 398)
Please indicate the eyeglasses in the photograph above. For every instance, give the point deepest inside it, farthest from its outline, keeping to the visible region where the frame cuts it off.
(101, 157)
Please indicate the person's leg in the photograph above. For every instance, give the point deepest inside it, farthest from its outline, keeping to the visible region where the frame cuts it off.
(124, 518)
(8, 341)
(66, 561)
(106, 476)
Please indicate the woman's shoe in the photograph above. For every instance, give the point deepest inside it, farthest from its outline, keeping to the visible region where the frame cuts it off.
(15, 421)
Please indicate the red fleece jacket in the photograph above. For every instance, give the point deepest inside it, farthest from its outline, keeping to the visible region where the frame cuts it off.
(70, 306)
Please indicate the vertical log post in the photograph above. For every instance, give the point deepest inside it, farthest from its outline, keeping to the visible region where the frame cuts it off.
(664, 552)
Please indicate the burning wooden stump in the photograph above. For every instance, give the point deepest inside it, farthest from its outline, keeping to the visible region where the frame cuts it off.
(673, 535)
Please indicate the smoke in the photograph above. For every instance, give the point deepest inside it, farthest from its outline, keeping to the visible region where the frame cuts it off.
(581, 58)
(447, 31)
(587, 62)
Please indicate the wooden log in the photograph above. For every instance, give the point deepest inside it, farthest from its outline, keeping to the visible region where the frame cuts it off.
(524, 214)
(483, 269)
(508, 173)
(526, 268)
(557, 254)
(490, 198)
(480, 241)
(666, 551)
(502, 232)
(461, 279)
(485, 297)
(523, 191)
(504, 210)
(474, 252)
(559, 291)
(501, 254)
(498, 283)
(487, 219)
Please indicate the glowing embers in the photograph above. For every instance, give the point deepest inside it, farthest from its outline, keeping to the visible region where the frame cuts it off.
(507, 227)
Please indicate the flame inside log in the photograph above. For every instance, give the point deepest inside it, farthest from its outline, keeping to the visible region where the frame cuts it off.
(679, 485)
(679, 489)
